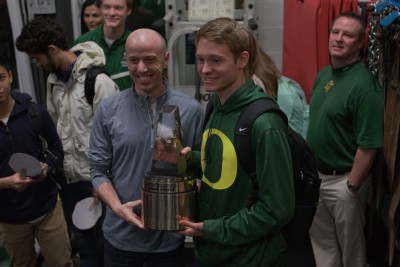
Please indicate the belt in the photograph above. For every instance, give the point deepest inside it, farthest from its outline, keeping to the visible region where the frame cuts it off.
(330, 171)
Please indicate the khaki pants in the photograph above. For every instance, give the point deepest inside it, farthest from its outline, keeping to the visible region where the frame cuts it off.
(337, 232)
(51, 234)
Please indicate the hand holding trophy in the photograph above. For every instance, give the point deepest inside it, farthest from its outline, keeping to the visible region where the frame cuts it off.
(168, 192)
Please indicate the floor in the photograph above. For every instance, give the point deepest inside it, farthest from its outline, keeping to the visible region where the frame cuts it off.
(189, 257)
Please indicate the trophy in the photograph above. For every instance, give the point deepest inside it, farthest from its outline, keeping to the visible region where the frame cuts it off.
(168, 191)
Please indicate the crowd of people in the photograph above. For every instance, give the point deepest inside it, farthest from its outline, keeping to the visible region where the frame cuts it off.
(101, 148)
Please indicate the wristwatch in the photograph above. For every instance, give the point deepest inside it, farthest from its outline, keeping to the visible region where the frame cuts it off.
(352, 188)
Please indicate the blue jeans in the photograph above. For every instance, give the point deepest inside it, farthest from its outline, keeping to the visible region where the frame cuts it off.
(86, 241)
(114, 257)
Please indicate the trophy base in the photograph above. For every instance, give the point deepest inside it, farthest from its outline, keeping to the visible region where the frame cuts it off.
(166, 197)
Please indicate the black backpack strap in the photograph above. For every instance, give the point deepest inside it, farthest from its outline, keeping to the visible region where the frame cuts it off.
(90, 80)
(244, 125)
(35, 117)
(37, 123)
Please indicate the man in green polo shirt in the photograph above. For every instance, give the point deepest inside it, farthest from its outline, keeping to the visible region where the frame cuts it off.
(345, 132)
(111, 37)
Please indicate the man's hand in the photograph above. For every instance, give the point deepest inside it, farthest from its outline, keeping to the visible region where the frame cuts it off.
(192, 229)
(165, 152)
(43, 174)
(19, 184)
(126, 213)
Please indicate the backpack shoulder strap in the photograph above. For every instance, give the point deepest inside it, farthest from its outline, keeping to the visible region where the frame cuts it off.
(90, 80)
(37, 123)
(244, 125)
(35, 117)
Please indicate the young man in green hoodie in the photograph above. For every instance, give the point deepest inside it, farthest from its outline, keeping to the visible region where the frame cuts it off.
(230, 232)
(111, 37)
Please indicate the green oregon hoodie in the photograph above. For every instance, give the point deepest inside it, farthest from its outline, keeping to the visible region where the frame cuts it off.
(235, 234)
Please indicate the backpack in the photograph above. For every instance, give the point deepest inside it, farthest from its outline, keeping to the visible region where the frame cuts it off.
(90, 80)
(305, 170)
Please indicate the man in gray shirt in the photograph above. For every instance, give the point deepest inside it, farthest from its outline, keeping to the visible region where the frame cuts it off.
(120, 154)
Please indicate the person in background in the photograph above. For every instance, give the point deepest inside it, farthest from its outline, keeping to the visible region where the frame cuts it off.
(345, 133)
(30, 208)
(111, 37)
(292, 101)
(91, 16)
(45, 41)
(140, 17)
(288, 93)
(230, 232)
(157, 6)
(121, 152)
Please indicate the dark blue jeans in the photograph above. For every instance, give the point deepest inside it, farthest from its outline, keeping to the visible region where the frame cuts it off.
(85, 241)
(114, 257)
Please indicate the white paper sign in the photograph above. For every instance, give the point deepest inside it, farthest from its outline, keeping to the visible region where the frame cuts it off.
(207, 10)
(43, 6)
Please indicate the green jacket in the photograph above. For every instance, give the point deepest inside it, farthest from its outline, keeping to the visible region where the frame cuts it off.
(115, 56)
(234, 233)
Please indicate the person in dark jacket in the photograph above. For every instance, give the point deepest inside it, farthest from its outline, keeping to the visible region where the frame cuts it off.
(29, 206)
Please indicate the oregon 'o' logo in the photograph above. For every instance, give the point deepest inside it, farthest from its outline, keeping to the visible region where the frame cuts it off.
(228, 168)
